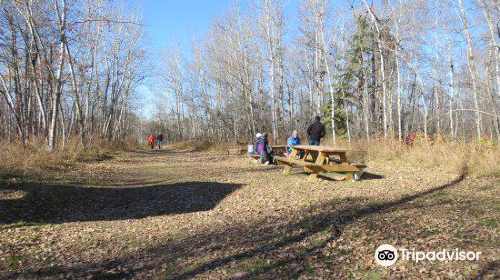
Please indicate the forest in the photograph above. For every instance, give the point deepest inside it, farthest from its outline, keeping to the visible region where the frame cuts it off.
(72, 70)
(68, 69)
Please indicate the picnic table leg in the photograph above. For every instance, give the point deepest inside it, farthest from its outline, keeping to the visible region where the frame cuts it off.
(320, 159)
(304, 157)
(349, 175)
(313, 177)
(287, 169)
(343, 158)
(314, 156)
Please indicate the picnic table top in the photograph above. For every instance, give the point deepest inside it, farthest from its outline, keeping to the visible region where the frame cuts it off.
(324, 149)
(279, 146)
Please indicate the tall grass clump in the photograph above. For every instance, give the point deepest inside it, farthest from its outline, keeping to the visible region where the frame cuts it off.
(479, 158)
(34, 159)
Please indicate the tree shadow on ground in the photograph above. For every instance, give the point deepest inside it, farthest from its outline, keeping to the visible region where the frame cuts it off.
(371, 176)
(331, 218)
(280, 242)
(326, 176)
(490, 268)
(251, 170)
(52, 203)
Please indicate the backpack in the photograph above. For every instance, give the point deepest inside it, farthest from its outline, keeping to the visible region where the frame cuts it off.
(270, 151)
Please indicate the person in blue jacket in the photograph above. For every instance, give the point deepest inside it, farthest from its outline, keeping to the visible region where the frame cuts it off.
(292, 141)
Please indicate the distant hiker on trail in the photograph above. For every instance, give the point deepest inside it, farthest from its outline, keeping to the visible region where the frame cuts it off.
(262, 148)
(316, 131)
(152, 141)
(293, 141)
(160, 140)
(410, 139)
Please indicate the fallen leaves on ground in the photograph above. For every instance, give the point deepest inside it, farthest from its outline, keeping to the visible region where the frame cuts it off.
(184, 215)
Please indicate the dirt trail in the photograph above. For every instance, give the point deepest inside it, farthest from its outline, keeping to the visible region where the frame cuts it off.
(182, 215)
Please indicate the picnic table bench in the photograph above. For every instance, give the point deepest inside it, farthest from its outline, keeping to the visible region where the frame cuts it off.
(321, 161)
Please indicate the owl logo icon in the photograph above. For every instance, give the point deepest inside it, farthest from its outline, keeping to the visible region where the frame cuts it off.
(386, 255)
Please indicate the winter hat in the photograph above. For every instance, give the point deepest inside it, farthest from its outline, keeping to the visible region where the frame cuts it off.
(295, 134)
(258, 135)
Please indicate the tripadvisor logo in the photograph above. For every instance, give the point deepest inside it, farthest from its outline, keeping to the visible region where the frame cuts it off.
(387, 255)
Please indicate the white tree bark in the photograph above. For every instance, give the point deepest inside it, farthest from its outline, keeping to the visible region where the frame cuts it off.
(472, 68)
(382, 68)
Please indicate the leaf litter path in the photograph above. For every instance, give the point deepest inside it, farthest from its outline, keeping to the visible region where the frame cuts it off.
(193, 215)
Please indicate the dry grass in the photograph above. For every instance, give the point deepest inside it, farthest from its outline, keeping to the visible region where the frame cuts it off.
(478, 157)
(36, 159)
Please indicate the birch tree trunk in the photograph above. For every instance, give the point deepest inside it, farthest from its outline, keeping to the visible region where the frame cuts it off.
(382, 68)
(61, 14)
(270, 36)
(452, 88)
(437, 112)
(494, 48)
(472, 68)
(332, 96)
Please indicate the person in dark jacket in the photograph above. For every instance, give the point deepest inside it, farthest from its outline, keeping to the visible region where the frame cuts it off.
(269, 151)
(316, 131)
(159, 138)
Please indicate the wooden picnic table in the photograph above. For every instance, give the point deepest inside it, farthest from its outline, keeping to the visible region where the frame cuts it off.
(279, 149)
(317, 159)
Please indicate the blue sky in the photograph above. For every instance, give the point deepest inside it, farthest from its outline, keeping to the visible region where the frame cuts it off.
(170, 21)
(167, 20)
